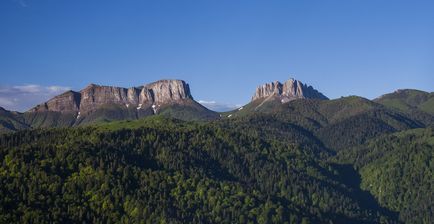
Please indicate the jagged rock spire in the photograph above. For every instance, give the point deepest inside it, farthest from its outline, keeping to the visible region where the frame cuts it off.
(289, 90)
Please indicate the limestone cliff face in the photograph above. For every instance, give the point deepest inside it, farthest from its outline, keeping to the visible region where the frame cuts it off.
(94, 96)
(290, 90)
(66, 102)
(169, 91)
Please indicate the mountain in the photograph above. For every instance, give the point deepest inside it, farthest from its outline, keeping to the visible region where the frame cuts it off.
(417, 104)
(338, 123)
(11, 121)
(289, 90)
(148, 97)
(97, 103)
(270, 96)
(409, 100)
(289, 156)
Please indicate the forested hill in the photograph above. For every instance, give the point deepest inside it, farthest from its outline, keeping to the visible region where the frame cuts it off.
(175, 173)
(348, 160)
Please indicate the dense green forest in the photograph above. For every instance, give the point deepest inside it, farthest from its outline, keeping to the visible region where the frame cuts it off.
(399, 170)
(176, 172)
(348, 160)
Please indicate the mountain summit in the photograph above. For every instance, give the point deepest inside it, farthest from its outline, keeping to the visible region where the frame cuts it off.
(94, 96)
(97, 103)
(288, 91)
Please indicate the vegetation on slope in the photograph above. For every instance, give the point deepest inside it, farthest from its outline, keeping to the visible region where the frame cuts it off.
(179, 172)
(417, 104)
(398, 169)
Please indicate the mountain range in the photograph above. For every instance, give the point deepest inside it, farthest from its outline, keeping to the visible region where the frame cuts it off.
(97, 103)
(154, 154)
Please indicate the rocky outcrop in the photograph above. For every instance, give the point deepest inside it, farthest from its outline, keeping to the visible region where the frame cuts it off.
(169, 91)
(290, 90)
(94, 96)
(66, 102)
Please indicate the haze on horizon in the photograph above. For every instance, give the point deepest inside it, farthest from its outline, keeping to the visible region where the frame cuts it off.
(223, 49)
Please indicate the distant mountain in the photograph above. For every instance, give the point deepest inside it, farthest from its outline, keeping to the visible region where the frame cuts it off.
(338, 123)
(270, 96)
(11, 121)
(289, 156)
(287, 91)
(296, 102)
(148, 97)
(408, 100)
(97, 103)
(418, 104)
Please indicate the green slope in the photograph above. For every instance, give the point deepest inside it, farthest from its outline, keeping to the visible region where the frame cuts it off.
(418, 104)
(188, 110)
(399, 170)
(11, 121)
(165, 170)
(338, 123)
(409, 99)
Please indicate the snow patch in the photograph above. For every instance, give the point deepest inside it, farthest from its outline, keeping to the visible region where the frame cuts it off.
(127, 105)
(139, 107)
(241, 108)
(230, 115)
(154, 108)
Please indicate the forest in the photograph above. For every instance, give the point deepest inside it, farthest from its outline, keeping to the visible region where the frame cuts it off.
(306, 165)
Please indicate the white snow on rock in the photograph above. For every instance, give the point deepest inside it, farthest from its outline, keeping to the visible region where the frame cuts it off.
(230, 115)
(127, 105)
(241, 108)
(154, 108)
(140, 106)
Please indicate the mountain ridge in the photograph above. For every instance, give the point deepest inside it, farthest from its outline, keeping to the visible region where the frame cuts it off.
(93, 96)
(172, 98)
(297, 159)
(291, 89)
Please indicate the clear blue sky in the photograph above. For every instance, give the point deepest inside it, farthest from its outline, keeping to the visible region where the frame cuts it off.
(224, 49)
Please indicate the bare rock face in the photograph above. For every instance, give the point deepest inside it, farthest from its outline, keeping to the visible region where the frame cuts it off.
(169, 91)
(66, 102)
(290, 90)
(94, 96)
(133, 95)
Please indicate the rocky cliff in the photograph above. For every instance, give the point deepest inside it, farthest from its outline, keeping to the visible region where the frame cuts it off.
(67, 102)
(287, 91)
(92, 97)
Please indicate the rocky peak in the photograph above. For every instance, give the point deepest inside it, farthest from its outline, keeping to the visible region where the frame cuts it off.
(65, 102)
(169, 90)
(289, 90)
(94, 96)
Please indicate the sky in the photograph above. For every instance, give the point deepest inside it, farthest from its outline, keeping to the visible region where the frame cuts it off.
(224, 49)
